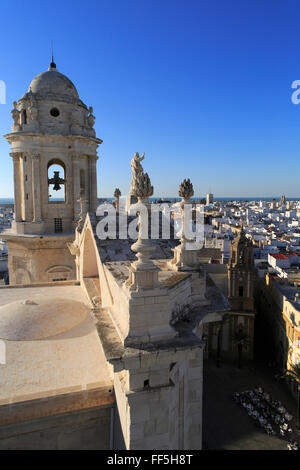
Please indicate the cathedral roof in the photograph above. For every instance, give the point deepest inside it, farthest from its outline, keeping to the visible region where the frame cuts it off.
(39, 317)
(53, 82)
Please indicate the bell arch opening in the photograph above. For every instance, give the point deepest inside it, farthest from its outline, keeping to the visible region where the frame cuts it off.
(56, 181)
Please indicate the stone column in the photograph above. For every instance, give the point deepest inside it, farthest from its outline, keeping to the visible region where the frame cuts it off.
(36, 189)
(76, 186)
(25, 156)
(93, 183)
(17, 193)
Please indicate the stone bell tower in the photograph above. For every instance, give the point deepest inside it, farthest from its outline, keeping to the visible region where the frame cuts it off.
(241, 274)
(54, 152)
(241, 293)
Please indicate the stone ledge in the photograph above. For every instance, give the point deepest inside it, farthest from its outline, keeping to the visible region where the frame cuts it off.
(41, 284)
(38, 407)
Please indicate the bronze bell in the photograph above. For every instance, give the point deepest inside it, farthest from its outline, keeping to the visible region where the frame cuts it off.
(56, 179)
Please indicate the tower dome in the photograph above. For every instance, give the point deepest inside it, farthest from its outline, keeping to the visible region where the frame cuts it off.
(54, 83)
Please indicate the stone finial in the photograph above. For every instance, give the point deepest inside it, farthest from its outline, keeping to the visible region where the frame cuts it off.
(117, 193)
(143, 188)
(186, 190)
(184, 258)
(143, 272)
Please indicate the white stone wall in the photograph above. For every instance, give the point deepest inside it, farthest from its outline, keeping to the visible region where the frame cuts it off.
(160, 403)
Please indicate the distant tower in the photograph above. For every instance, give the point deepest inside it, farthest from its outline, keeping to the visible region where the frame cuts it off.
(241, 288)
(282, 200)
(54, 152)
(209, 199)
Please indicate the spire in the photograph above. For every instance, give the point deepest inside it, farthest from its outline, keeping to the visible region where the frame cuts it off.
(53, 64)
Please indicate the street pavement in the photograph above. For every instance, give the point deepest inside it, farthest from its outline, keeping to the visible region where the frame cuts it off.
(226, 425)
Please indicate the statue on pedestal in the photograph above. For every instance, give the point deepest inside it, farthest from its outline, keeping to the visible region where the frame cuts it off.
(137, 172)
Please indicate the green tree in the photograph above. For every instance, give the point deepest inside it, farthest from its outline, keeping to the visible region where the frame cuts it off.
(241, 340)
(294, 373)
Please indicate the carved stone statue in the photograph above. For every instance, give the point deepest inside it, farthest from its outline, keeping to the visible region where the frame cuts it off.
(90, 120)
(32, 109)
(16, 117)
(117, 195)
(137, 172)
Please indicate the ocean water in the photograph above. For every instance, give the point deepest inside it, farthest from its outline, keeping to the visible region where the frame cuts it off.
(174, 199)
(6, 200)
(225, 199)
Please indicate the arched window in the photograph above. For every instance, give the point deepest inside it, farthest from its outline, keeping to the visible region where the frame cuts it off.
(56, 182)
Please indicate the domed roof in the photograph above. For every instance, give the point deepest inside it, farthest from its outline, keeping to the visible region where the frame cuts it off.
(40, 317)
(53, 82)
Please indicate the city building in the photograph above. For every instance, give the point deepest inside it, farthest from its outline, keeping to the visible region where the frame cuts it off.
(236, 281)
(209, 199)
(279, 304)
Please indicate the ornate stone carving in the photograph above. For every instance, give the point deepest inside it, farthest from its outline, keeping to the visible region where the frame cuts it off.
(143, 247)
(90, 120)
(143, 188)
(32, 108)
(137, 171)
(186, 190)
(184, 258)
(80, 222)
(15, 155)
(117, 193)
(16, 117)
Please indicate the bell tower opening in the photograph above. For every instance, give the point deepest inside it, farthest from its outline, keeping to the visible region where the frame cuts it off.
(56, 182)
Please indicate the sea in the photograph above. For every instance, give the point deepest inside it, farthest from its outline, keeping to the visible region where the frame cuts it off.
(174, 199)
(225, 199)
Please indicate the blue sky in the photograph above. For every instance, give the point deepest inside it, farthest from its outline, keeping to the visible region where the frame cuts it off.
(202, 87)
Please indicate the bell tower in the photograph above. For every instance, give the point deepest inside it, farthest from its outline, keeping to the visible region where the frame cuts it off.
(241, 274)
(241, 296)
(54, 153)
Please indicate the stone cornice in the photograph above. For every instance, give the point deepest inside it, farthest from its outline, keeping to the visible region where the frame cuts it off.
(17, 136)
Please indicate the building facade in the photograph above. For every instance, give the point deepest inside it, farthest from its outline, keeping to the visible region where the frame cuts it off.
(234, 336)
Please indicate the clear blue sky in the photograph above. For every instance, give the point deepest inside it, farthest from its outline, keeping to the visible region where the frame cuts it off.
(202, 87)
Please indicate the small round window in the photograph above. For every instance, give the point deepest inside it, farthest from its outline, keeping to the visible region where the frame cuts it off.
(54, 112)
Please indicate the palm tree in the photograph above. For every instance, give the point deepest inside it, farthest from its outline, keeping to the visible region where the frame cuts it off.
(294, 373)
(241, 339)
